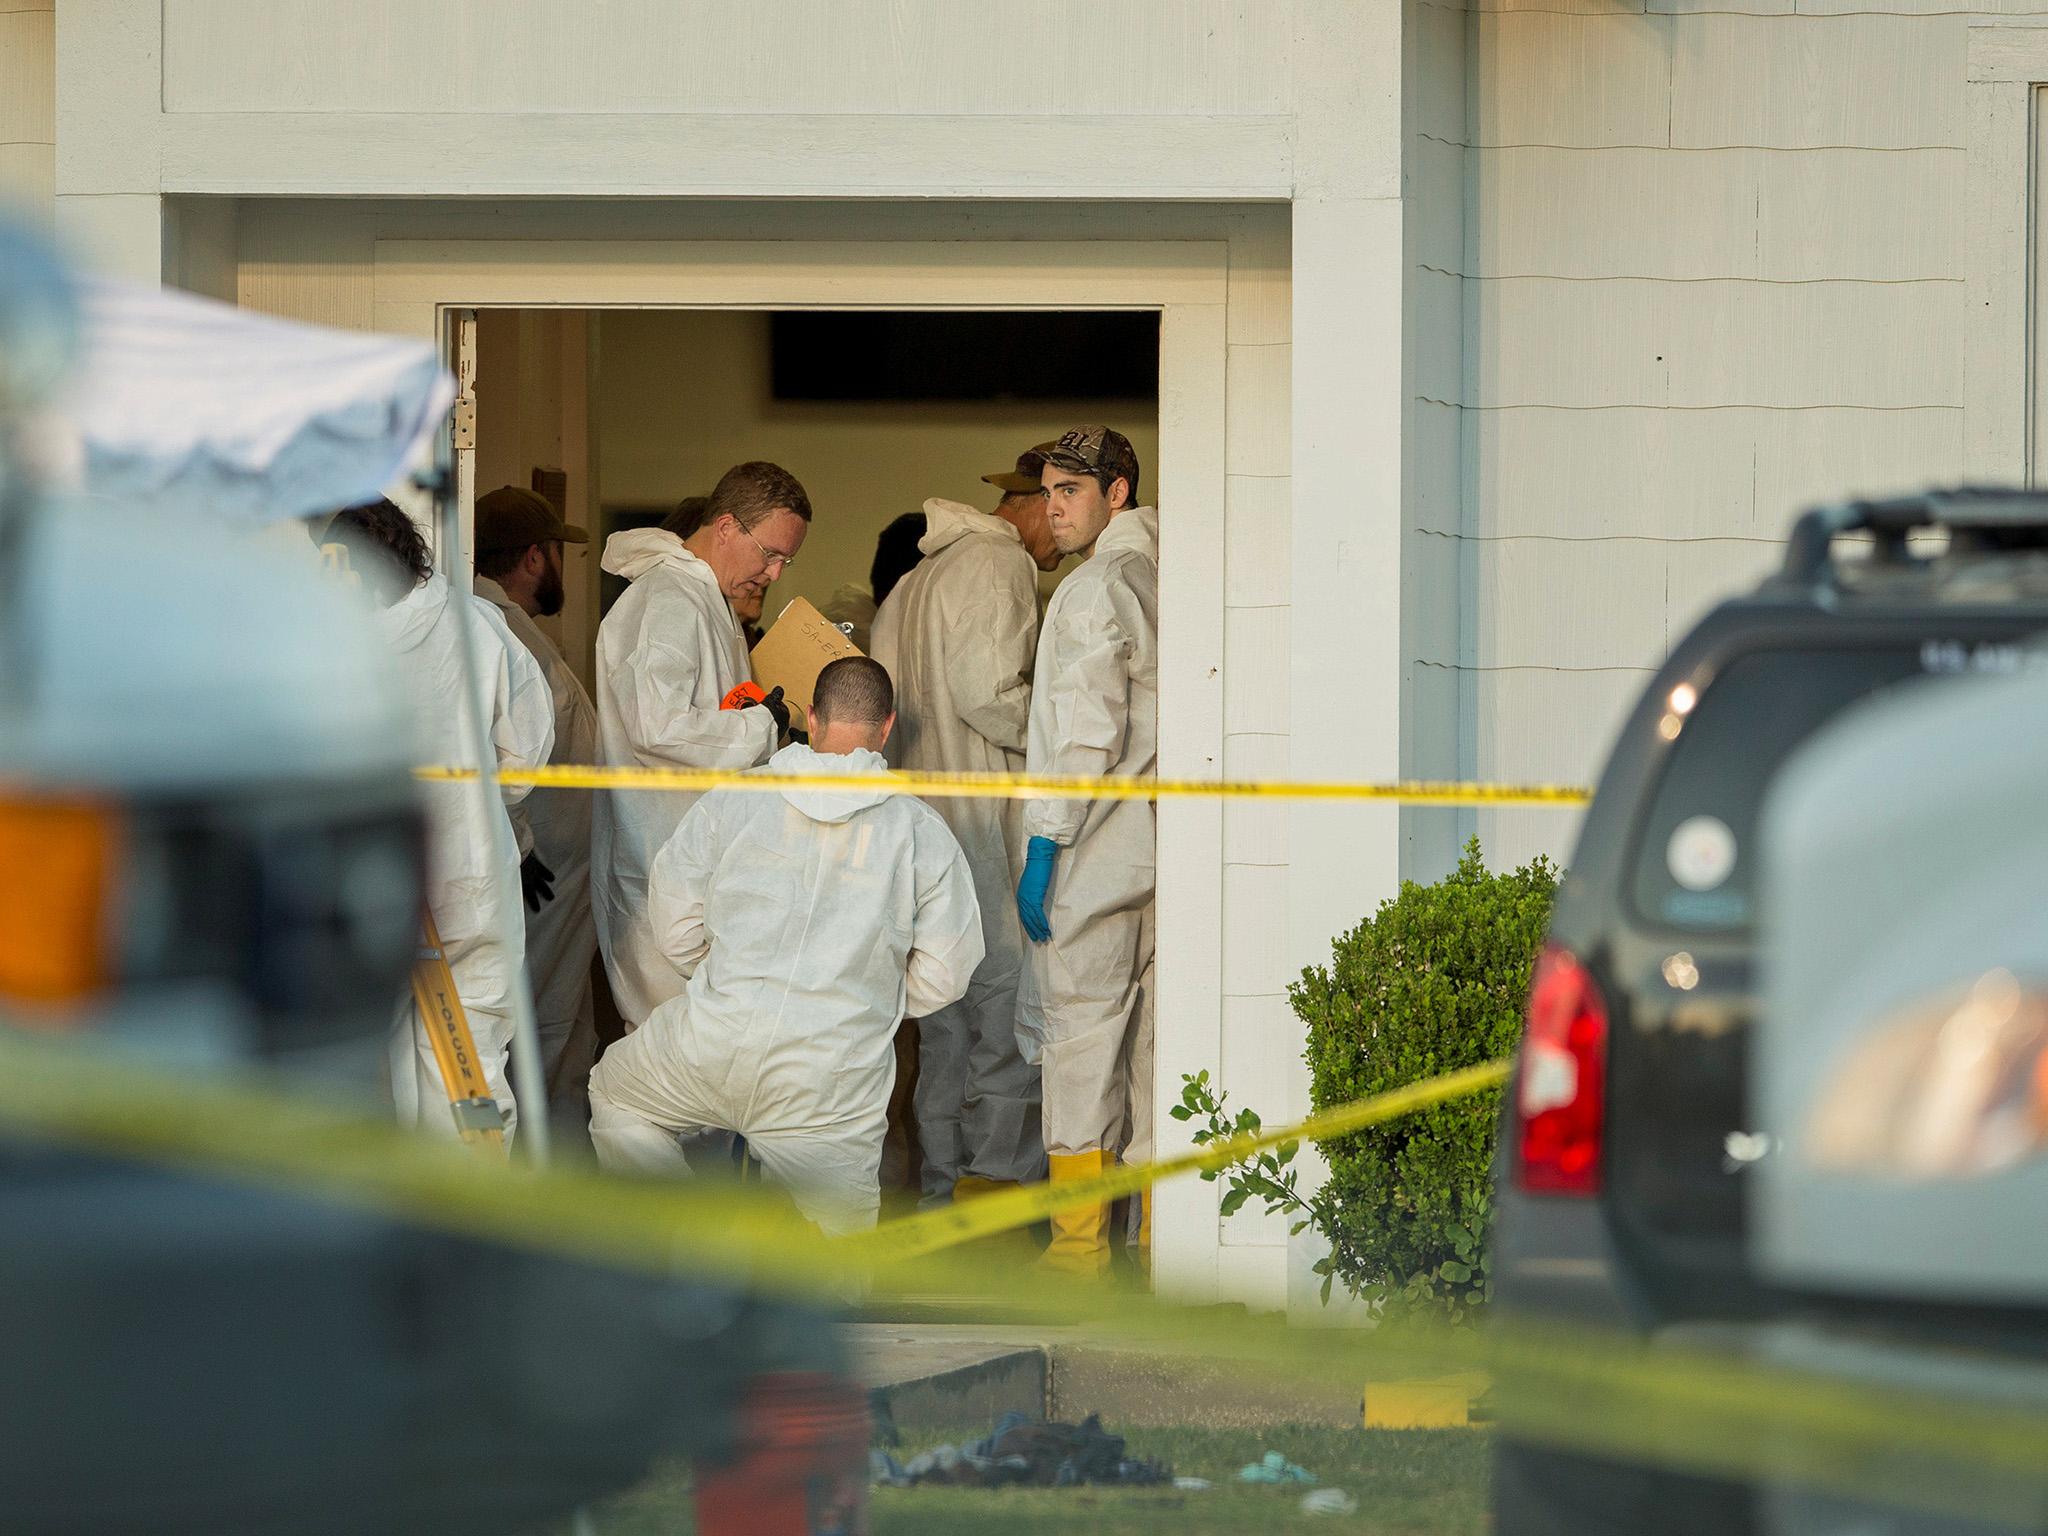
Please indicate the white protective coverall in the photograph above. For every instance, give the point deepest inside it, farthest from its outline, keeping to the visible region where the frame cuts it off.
(667, 654)
(560, 940)
(806, 923)
(957, 636)
(472, 858)
(1095, 711)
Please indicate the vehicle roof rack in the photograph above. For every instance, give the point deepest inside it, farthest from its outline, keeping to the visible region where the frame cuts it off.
(1985, 517)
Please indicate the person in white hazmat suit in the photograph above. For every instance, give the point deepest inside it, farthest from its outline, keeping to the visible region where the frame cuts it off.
(473, 857)
(667, 655)
(957, 636)
(1086, 891)
(802, 925)
(519, 539)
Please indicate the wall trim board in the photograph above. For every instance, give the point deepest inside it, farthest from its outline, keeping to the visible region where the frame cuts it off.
(417, 283)
(629, 154)
(2008, 64)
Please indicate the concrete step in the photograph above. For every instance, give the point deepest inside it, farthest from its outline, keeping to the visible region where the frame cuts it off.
(960, 1377)
(950, 1378)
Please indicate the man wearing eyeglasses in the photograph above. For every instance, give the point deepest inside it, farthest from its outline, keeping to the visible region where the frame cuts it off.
(667, 655)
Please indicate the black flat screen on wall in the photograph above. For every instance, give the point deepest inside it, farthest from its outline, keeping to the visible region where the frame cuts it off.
(895, 355)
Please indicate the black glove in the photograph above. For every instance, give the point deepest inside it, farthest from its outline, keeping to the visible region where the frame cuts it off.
(537, 881)
(776, 705)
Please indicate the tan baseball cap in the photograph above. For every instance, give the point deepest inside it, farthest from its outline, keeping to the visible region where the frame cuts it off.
(1025, 476)
(513, 517)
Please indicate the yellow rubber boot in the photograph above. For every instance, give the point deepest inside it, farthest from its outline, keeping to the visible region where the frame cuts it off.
(971, 1186)
(1145, 1233)
(1080, 1235)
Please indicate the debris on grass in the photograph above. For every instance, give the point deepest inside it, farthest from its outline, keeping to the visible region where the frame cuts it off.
(1328, 1501)
(1024, 1452)
(1275, 1469)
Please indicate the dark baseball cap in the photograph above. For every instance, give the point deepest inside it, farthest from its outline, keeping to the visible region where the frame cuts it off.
(513, 517)
(1025, 477)
(1093, 451)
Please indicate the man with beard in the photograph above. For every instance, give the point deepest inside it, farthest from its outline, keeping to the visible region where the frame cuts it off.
(519, 538)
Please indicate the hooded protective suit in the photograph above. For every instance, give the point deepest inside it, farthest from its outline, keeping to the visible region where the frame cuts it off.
(667, 654)
(806, 923)
(1095, 711)
(957, 636)
(560, 939)
(472, 859)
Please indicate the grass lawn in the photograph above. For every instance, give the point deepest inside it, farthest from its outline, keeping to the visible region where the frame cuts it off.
(1412, 1483)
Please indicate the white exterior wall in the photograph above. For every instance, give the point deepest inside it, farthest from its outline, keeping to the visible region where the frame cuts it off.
(267, 160)
(28, 109)
(1714, 270)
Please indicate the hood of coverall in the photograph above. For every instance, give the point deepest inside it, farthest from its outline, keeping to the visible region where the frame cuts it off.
(1135, 528)
(829, 805)
(408, 622)
(948, 522)
(633, 552)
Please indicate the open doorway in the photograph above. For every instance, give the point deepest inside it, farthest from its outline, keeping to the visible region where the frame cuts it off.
(618, 414)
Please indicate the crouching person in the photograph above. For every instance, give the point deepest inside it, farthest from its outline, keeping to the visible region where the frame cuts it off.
(806, 923)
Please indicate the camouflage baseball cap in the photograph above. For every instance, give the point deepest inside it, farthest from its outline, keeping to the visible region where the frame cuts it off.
(1096, 451)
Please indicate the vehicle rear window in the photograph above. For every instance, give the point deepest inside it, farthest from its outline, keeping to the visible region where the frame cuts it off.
(1695, 862)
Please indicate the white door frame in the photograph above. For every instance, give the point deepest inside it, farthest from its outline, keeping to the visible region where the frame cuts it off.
(2007, 68)
(416, 282)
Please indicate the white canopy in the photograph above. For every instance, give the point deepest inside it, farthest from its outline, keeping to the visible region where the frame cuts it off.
(183, 403)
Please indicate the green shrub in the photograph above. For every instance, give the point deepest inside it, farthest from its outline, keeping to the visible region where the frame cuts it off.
(1434, 981)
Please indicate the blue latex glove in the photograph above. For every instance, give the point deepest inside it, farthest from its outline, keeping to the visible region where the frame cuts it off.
(1035, 885)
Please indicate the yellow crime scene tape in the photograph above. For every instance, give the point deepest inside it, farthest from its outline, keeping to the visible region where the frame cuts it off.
(1020, 786)
(1579, 1388)
(912, 1237)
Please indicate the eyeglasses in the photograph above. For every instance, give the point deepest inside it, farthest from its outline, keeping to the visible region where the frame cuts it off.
(774, 557)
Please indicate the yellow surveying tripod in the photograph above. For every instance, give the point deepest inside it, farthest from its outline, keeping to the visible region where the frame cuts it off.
(477, 1120)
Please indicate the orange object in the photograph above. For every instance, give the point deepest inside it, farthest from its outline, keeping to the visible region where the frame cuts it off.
(746, 693)
(477, 1120)
(56, 880)
(801, 1468)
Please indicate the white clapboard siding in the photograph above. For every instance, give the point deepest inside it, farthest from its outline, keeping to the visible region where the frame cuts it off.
(1435, 313)
(1543, 726)
(1433, 600)
(1255, 831)
(1888, 215)
(28, 111)
(1541, 341)
(1709, 572)
(28, 76)
(1678, 475)
(1436, 77)
(1882, 215)
(1738, 7)
(1924, 7)
(1543, 77)
(1256, 674)
(1255, 908)
(1261, 379)
(1802, 82)
(797, 56)
(1571, 604)
(1575, 7)
(1437, 170)
(1434, 499)
(1260, 314)
(1262, 1041)
(1434, 692)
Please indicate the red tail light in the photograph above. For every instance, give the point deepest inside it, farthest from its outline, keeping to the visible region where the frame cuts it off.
(1561, 1101)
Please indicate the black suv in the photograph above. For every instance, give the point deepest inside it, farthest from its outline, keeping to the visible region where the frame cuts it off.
(1627, 1135)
